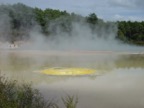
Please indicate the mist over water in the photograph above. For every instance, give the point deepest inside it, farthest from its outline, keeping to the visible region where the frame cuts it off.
(81, 38)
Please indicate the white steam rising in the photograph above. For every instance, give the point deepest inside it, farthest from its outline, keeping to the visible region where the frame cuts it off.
(80, 37)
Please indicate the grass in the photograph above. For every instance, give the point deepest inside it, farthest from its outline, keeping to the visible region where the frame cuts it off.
(13, 95)
(70, 101)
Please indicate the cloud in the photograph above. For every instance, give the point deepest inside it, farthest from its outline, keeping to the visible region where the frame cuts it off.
(129, 4)
(122, 3)
(118, 17)
(140, 3)
(126, 10)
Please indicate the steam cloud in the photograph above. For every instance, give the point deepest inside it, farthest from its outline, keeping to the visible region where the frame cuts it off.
(81, 36)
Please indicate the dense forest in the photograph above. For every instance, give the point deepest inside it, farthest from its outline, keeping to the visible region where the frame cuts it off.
(131, 32)
(17, 21)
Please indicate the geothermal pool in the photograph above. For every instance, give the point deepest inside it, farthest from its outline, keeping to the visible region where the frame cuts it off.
(118, 80)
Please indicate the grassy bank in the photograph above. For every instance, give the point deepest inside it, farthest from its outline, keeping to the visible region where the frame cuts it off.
(13, 95)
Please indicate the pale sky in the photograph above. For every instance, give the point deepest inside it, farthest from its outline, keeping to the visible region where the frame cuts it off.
(105, 9)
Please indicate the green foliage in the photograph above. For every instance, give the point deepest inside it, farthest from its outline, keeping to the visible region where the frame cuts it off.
(92, 18)
(44, 17)
(21, 16)
(132, 32)
(121, 35)
(70, 101)
(13, 95)
(21, 20)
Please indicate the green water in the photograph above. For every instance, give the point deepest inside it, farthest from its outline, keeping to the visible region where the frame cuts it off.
(117, 82)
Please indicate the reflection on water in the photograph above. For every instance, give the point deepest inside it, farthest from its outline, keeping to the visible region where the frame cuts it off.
(119, 86)
(130, 61)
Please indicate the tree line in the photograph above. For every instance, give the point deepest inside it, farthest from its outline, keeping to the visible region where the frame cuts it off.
(22, 19)
(131, 32)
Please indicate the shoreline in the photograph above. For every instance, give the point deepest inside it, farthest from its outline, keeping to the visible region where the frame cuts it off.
(69, 52)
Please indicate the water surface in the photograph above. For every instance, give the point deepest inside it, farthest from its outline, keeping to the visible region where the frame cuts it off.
(117, 82)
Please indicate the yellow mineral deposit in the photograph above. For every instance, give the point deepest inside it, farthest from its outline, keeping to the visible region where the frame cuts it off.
(67, 71)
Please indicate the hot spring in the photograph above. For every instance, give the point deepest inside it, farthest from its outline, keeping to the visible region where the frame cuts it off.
(108, 79)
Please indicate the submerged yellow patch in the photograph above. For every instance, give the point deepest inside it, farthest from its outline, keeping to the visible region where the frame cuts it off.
(67, 71)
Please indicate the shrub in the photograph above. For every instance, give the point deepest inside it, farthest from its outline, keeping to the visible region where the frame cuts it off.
(13, 95)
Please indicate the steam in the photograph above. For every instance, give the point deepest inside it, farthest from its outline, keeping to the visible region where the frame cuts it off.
(80, 37)
(4, 27)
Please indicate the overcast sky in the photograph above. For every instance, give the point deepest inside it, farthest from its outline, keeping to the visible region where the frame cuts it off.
(105, 9)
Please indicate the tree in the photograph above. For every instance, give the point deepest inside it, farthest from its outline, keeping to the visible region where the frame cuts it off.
(92, 18)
